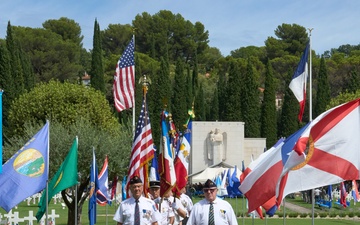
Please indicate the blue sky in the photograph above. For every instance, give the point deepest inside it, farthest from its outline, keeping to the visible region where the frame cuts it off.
(231, 23)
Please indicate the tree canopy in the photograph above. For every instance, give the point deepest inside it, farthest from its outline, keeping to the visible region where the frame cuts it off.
(64, 102)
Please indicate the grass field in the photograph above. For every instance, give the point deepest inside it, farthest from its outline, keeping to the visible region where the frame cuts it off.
(105, 214)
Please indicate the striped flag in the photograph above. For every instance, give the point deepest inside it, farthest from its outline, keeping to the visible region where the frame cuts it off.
(355, 192)
(142, 149)
(182, 159)
(102, 196)
(343, 195)
(123, 86)
(166, 166)
(298, 82)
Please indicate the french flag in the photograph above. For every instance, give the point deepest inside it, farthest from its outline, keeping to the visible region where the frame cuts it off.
(166, 165)
(298, 82)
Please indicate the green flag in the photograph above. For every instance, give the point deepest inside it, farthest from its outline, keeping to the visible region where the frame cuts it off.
(64, 178)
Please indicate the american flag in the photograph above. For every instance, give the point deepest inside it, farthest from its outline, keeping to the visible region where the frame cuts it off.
(142, 150)
(123, 87)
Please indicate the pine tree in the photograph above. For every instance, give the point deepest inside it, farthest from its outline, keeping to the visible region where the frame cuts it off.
(178, 101)
(232, 110)
(288, 122)
(250, 103)
(323, 90)
(268, 111)
(97, 71)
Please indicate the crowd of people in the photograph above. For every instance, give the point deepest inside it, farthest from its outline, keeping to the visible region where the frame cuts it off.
(166, 209)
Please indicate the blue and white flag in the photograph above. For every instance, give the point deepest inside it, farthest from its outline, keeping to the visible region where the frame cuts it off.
(26, 172)
(94, 187)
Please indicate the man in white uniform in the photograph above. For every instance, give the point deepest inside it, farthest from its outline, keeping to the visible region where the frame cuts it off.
(212, 210)
(128, 214)
(187, 203)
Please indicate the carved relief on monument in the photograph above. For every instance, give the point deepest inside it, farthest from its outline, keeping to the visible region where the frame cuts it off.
(216, 146)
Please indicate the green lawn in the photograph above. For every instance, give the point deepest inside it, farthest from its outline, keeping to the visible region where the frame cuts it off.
(105, 214)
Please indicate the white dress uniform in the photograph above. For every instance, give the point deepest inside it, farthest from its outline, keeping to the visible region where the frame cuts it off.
(165, 211)
(178, 218)
(148, 212)
(223, 213)
(186, 202)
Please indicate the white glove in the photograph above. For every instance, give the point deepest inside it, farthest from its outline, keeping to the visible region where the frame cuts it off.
(175, 206)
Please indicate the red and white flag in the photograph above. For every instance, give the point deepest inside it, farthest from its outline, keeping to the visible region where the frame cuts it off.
(142, 149)
(299, 79)
(330, 151)
(123, 86)
(182, 159)
(166, 158)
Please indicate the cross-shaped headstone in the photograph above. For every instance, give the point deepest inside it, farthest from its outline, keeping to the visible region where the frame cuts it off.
(9, 215)
(15, 220)
(28, 200)
(52, 216)
(30, 218)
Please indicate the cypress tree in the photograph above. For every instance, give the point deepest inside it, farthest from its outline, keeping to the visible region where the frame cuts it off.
(200, 106)
(15, 65)
(232, 110)
(323, 90)
(189, 89)
(250, 103)
(195, 82)
(354, 82)
(268, 111)
(97, 72)
(288, 122)
(214, 109)
(29, 77)
(6, 82)
(178, 100)
(221, 90)
(159, 97)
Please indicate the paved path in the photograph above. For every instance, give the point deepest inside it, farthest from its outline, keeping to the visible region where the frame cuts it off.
(297, 208)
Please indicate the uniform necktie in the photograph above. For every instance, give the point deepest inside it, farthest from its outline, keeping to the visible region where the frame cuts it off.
(211, 214)
(137, 213)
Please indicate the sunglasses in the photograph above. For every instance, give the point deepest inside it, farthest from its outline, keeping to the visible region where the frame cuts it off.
(208, 189)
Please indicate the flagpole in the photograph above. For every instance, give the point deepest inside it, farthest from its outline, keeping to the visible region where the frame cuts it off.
(310, 77)
(310, 119)
(47, 181)
(47, 201)
(133, 109)
(76, 193)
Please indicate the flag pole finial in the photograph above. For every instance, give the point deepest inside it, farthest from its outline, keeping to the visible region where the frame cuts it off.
(145, 81)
